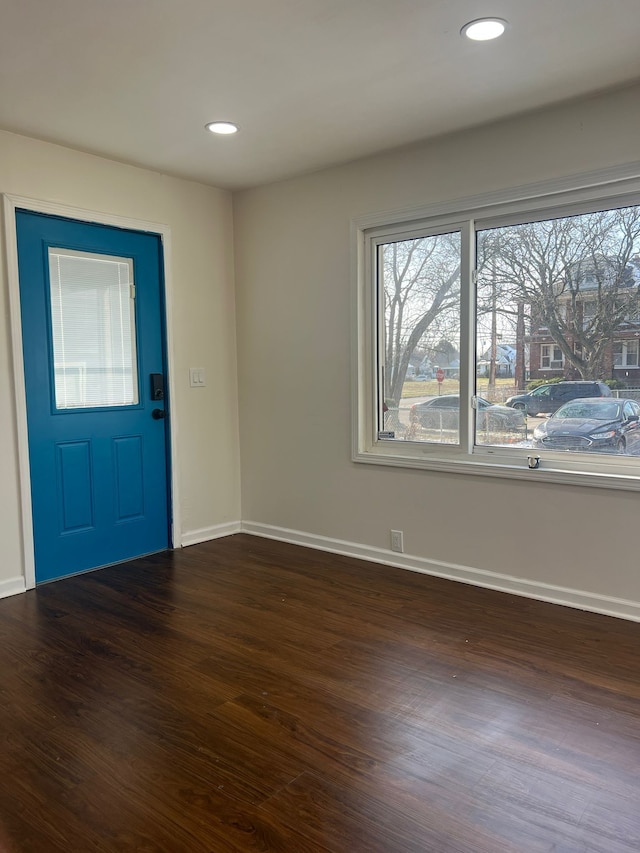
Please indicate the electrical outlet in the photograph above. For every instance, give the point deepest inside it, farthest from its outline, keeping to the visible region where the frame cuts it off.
(397, 543)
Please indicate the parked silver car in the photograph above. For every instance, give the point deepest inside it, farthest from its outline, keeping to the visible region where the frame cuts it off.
(444, 413)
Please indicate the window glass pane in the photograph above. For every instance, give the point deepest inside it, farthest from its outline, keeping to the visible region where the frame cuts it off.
(589, 310)
(419, 292)
(553, 304)
(93, 325)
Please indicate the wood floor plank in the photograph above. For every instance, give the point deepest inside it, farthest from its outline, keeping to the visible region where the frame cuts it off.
(249, 695)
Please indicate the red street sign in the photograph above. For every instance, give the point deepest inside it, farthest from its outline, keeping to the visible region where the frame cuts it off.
(440, 374)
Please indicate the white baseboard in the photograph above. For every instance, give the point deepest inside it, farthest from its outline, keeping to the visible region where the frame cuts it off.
(578, 599)
(204, 534)
(575, 598)
(12, 587)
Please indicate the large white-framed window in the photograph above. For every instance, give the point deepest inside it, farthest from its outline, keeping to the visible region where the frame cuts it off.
(449, 301)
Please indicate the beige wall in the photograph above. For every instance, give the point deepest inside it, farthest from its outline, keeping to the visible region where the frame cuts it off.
(293, 297)
(200, 219)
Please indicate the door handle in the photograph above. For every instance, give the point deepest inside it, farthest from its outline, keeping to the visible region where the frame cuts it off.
(158, 414)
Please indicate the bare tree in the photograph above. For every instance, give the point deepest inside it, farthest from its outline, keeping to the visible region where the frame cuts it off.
(575, 274)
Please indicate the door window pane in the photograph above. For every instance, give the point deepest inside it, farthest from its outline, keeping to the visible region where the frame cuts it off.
(93, 329)
(420, 341)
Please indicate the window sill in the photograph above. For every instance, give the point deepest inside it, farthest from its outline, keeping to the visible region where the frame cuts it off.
(515, 468)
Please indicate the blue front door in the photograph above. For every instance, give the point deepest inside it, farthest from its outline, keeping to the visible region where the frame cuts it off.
(93, 343)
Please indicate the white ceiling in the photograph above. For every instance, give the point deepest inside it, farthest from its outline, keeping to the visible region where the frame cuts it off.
(310, 82)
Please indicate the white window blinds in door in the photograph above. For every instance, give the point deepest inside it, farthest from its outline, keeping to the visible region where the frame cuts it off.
(93, 329)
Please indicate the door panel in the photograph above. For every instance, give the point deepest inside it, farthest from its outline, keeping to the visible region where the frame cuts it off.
(75, 486)
(128, 476)
(91, 304)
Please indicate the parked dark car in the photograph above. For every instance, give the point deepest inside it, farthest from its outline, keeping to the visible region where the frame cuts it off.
(443, 413)
(598, 425)
(547, 398)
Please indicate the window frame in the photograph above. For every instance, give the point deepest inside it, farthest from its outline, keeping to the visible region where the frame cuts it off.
(605, 189)
(399, 235)
(136, 378)
(587, 316)
(553, 362)
(624, 354)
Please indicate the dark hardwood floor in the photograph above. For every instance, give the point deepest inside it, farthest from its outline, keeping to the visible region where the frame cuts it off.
(247, 695)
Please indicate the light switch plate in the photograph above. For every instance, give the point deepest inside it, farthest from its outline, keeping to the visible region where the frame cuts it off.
(196, 377)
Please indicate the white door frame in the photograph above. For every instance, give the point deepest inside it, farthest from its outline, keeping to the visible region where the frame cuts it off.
(11, 204)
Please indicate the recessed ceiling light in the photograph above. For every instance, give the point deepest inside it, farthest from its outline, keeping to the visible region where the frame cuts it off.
(484, 29)
(223, 127)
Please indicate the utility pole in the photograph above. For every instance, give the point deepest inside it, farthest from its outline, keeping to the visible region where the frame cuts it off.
(494, 334)
(520, 365)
